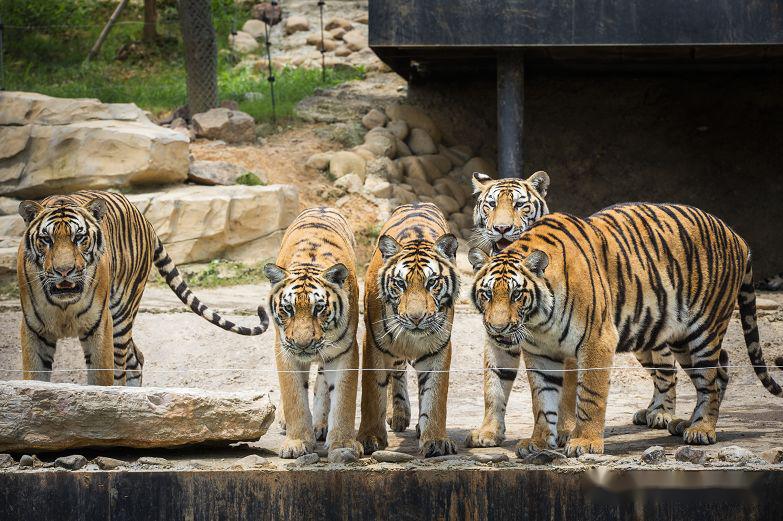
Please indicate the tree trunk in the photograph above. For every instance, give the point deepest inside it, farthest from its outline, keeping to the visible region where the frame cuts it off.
(45, 416)
(198, 34)
(105, 32)
(150, 22)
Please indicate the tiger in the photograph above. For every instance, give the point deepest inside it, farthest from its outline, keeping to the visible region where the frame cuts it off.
(504, 209)
(410, 290)
(82, 266)
(314, 304)
(632, 277)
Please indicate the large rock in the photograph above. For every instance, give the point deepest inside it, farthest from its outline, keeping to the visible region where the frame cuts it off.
(421, 143)
(295, 24)
(415, 118)
(46, 416)
(355, 40)
(254, 28)
(344, 163)
(53, 145)
(212, 173)
(231, 126)
(200, 223)
(242, 42)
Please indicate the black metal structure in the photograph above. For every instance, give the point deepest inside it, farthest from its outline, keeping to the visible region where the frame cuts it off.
(486, 37)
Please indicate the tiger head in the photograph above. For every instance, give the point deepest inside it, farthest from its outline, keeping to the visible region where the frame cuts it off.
(64, 241)
(310, 310)
(418, 283)
(507, 207)
(511, 293)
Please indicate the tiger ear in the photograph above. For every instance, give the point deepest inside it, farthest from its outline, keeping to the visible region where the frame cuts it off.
(97, 208)
(28, 210)
(537, 262)
(274, 273)
(477, 258)
(540, 181)
(389, 246)
(336, 274)
(479, 180)
(447, 245)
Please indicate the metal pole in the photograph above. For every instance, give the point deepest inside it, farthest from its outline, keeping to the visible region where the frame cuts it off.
(323, 51)
(2, 69)
(511, 97)
(271, 77)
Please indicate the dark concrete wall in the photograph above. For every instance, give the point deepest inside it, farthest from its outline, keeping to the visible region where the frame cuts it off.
(713, 140)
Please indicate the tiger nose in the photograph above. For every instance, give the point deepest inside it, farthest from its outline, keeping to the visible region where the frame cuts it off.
(502, 228)
(63, 271)
(416, 318)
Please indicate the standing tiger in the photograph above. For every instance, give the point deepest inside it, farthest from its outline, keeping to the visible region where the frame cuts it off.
(411, 287)
(315, 306)
(82, 266)
(504, 209)
(632, 277)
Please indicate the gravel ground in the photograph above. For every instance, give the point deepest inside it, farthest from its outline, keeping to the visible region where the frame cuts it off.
(182, 349)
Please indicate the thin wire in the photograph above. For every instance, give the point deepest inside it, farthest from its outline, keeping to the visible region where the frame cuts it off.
(323, 50)
(271, 77)
(88, 26)
(372, 369)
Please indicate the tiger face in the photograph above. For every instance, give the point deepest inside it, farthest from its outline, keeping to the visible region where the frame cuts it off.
(64, 241)
(308, 309)
(418, 282)
(507, 207)
(511, 293)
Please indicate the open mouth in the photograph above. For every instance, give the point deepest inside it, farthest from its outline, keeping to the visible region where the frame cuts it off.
(66, 287)
(502, 244)
(505, 340)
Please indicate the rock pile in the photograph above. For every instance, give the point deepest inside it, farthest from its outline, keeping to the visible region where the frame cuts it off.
(404, 158)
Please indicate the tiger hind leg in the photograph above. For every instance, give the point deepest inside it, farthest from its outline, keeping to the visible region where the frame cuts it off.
(659, 362)
(134, 363)
(398, 405)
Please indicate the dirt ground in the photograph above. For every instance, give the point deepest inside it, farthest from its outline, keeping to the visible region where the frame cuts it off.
(181, 349)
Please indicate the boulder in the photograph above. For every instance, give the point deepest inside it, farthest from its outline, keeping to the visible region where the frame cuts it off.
(242, 42)
(450, 187)
(295, 24)
(48, 416)
(368, 154)
(201, 223)
(350, 183)
(403, 195)
(478, 164)
(380, 144)
(342, 23)
(438, 161)
(690, 454)
(355, 40)
(415, 118)
(413, 168)
(462, 152)
(9, 206)
(319, 161)
(254, 28)
(384, 168)
(402, 149)
(773, 456)
(374, 118)
(231, 126)
(378, 186)
(462, 221)
(447, 204)
(8, 252)
(52, 145)
(422, 188)
(654, 455)
(212, 173)
(328, 44)
(342, 51)
(6, 461)
(345, 162)
(12, 226)
(107, 463)
(72, 462)
(421, 143)
(455, 159)
(399, 128)
(337, 33)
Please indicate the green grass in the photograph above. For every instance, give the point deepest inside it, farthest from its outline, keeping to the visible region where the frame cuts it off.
(50, 60)
(249, 179)
(220, 273)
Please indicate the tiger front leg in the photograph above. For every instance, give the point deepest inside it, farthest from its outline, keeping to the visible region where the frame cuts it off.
(105, 362)
(546, 383)
(293, 376)
(593, 359)
(433, 377)
(398, 405)
(375, 378)
(500, 371)
(321, 406)
(342, 376)
(566, 413)
(37, 354)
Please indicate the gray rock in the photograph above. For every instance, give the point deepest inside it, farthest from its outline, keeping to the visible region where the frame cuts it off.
(690, 454)
(307, 459)
(350, 183)
(654, 455)
(378, 187)
(342, 23)
(380, 144)
(773, 455)
(543, 457)
(254, 28)
(231, 126)
(374, 118)
(343, 455)
(26, 461)
(250, 462)
(344, 163)
(449, 457)
(295, 24)
(421, 143)
(492, 457)
(596, 459)
(155, 462)
(390, 456)
(319, 161)
(355, 40)
(6, 460)
(213, 173)
(9, 206)
(384, 168)
(106, 463)
(736, 454)
(399, 128)
(242, 42)
(72, 462)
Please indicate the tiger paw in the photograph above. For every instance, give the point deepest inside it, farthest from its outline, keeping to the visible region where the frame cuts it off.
(578, 446)
(347, 443)
(527, 446)
(438, 447)
(563, 437)
(320, 432)
(399, 419)
(653, 418)
(699, 434)
(371, 443)
(292, 449)
(484, 438)
(677, 426)
(281, 424)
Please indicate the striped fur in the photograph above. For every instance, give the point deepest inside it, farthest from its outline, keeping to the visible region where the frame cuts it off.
(82, 268)
(411, 286)
(315, 307)
(507, 207)
(652, 279)
(504, 209)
